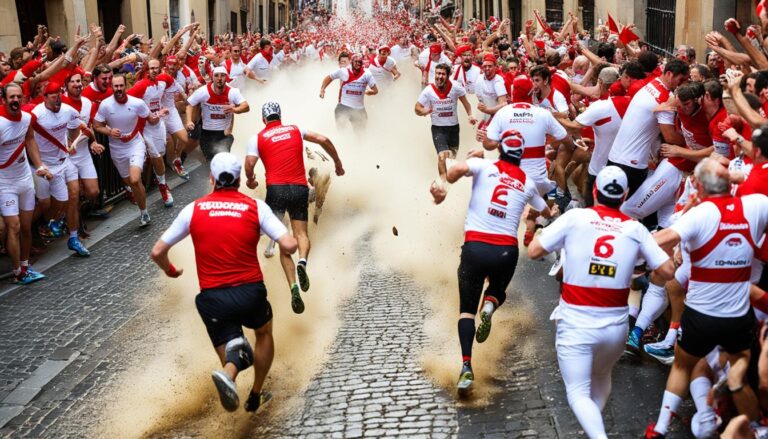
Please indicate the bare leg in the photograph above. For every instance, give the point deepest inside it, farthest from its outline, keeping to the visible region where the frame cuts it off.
(263, 353)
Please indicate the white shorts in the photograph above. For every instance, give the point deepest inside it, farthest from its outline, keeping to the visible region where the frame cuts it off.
(56, 186)
(173, 122)
(658, 193)
(83, 162)
(132, 155)
(154, 136)
(17, 196)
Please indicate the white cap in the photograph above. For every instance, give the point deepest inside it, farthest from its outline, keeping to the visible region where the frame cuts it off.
(219, 69)
(225, 162)
(611, 182)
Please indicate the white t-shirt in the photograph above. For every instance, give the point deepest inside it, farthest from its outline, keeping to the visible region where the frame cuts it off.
(352, 92)
(85, 117)
(57, 125)
(555, 102)
(13, 155)
(605, 119)
(489, 90)
(602, 246)
(269, 224)
(429, 65)
(124, 117)
(696, 228)
(500, 192)
(639, 133)
(236, 74)
(214, 118)
(260, 67)
(533, 123)
(444, 104)
(467, 78)
(399, 52)
(382, 73)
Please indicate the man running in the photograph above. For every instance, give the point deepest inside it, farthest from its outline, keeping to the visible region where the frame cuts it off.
(491, 93)
(219, 102)
(384, 68)
(500, 191)
(122, 118)
(440, 101)
(281, 148)
(602, 246)
(225, 226)
(466, 73)
(17, 189)
(258, 68)
(356, 83)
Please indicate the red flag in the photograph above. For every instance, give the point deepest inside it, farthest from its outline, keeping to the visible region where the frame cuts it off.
(612, 25)
(627, 36)
(544, 26)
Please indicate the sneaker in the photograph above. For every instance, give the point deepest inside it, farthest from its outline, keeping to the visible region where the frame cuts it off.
(558, 264)
(56, 228)
(562, 201)
(165, 192)
(662, 352)
(179, 168)
(484, 328)
(45, 232)
(76, 246)
(301, 272)
(227, 390)
(632, 347)
(144, 219)
(257, 400)
(35, 275)
(466, 378)
(296, 303)
(26, 278)
(270, 250)
(650, 433)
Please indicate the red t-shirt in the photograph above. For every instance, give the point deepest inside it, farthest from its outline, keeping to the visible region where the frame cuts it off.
(281, 148)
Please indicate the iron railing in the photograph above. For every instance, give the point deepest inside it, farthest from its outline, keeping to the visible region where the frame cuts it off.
(660, 26)
(110, 182)
(554, 14)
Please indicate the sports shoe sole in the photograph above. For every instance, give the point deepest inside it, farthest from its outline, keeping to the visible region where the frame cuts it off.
(663, 359)
(265, 398)
(301, 272)
(296, 303)
(464, 386)
(484, 329)
(227, 391)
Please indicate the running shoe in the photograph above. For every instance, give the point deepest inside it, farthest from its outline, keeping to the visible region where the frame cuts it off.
(466, 378)
(301, 272)
(558, 264)
(76, 246)
(632, 348)
(36, 275)
(227, 390)
(484, 329)
(270, 250)
(26, 278)
(257, 400)
(45, 232)
(165, 192)
(661, 351)
(144, 219)
(650, 433)
(56, 228)
(296, 303)
(179, 168)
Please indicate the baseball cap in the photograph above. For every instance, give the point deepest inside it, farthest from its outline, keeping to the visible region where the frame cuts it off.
(611, 182)
(512, 143)
(225, 163)
(270, 109)
(521, 90)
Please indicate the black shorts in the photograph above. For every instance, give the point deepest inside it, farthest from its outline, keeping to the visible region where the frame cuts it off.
(700, 333)
(195, 133)
(226, 310)
(290, 198)
(635, 176)
(479, 261)
(358, 117)
(446, 138)
(214, 142)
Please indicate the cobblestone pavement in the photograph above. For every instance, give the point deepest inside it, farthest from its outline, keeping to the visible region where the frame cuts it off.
(371, 384)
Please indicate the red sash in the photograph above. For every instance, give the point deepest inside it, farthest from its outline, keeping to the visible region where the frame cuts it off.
(14, 156)
(48, 136)
(352, 77)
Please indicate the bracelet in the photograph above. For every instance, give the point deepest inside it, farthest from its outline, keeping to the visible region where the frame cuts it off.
(740, 140)
(171, 271)
(67, 58)
(42, 168)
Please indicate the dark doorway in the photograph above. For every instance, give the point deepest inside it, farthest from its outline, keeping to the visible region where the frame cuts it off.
(588, 14)
(149, 19)
(515, 17)
(233, 22)
(243, 21)
(31, 13)
(211, 20)
(109, 16)
(272, 23)
(554, 14)
(173, 16)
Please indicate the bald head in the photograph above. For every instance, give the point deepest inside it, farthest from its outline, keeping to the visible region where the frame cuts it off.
(712, 176)
(580, 64)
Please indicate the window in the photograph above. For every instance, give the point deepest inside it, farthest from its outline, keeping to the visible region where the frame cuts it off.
(587, 8)
(660, 26)
(554, 14)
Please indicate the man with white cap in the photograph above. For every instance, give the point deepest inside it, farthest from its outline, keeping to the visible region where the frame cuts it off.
(602, 246)
(225, 226)
(218, 102)
(500, 191)
(281, 148)
(356, 83)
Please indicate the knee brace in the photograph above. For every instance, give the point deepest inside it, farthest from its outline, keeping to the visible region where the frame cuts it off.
(238, 352)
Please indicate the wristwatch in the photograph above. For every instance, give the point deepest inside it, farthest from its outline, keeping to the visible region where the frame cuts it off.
(740, 140)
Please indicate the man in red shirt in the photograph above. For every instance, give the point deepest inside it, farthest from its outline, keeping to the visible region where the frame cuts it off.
(225, 226)
(281, 147)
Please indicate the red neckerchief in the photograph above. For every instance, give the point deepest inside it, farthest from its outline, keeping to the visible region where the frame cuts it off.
(442, 95)
(267, 54)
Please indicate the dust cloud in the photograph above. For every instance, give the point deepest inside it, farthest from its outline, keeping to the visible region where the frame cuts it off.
(388, 171)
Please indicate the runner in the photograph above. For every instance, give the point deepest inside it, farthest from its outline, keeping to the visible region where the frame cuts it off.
(356, 84)
(466, 73)
(225, 226)
(281, 148)
(174, 97)
(384, 68)
(122, 118)
(236, 68)
(440, 101)
(427, 64)
(219, 102)
(491, 93)
(602, 246)
(258, 68)
(17, 189)
(500, 191)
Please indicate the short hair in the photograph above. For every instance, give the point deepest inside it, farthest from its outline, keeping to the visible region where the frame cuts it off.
(713, 183)
(610, 202)
(554, 59)
(761, 81)
(343, 55)
(760, 139)
(120, 75)
(649, 61)
(504, 46)
(264, 43)
(513, 59)
(606, 50)
(703, 70)
(101, 69)
(714, 89)
(9, 86)
(541, 71)
(743, 83)
(444, 66)
(676, 67)
(690, 90)
(633, 69)
(753, 101)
